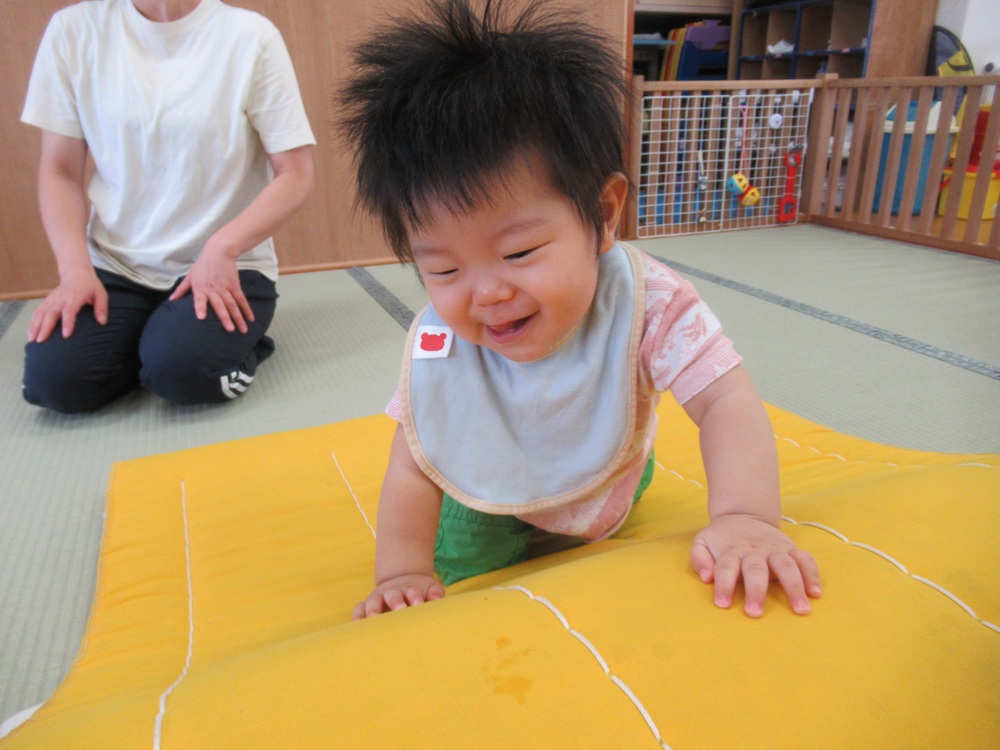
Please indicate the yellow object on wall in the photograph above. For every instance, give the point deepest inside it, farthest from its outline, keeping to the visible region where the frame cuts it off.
(228, 574)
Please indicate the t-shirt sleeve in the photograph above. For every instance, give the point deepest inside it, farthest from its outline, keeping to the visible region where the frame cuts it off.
(683, 347)
(275, 105)
(50, 102)
(395, 407)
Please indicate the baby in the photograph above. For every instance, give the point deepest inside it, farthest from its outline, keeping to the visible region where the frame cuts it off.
(490, 147)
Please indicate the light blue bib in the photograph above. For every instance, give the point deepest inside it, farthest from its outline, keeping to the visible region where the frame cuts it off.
(509, 437)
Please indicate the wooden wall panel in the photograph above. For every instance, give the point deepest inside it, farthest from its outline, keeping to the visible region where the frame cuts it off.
(26, 263)
(900, 38)
(327, 233)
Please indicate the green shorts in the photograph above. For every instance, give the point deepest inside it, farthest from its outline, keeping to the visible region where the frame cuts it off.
(470, 542)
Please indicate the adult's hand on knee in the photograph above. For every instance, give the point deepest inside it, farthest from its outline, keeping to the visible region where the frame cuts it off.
(64, 303)
(214, 280)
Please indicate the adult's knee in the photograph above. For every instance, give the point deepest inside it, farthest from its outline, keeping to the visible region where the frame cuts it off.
(180, 375)
(190, 361)
(187, 375)
(67, 382)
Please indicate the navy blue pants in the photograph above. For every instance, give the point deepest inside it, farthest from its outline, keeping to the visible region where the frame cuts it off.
(151, 342)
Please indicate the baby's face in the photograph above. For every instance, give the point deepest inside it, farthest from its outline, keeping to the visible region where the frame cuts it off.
(517, 275)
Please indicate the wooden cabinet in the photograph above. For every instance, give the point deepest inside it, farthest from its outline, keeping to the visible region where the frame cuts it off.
(852, 38)
(685, 6)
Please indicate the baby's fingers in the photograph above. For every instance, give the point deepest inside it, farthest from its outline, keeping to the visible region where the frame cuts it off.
(414, 595)
(756, 579)
(810, 572)
(727, 576)
(370, 607)
(377, 603)
(395, 598)
(703, 561)
(787, 571)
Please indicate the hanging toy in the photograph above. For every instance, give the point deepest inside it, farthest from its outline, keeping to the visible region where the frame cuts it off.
(701, 183)
(788, 206)
(738, 184)
(702, 174)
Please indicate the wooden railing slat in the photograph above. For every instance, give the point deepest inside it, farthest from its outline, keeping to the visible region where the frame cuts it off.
(814, 172)
(857, 155)
(958, 167)
(915, 161)
(939, 153)
(873, 143)
(986, 158)
(844, 97)
(889, 168)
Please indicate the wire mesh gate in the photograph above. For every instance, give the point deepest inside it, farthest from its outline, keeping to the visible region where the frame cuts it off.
(720, 161)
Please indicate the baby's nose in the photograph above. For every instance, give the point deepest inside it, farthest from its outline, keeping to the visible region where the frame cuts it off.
(490, 290)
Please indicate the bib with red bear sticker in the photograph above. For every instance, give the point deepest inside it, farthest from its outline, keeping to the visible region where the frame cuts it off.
(514, 437)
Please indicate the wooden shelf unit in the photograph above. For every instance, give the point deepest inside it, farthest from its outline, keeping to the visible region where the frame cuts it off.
(826, 36)
(852, 38)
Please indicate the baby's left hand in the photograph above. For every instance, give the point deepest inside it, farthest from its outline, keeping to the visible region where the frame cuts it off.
(734, 547)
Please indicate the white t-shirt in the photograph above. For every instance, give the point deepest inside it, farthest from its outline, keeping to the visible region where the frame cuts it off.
(179, 118)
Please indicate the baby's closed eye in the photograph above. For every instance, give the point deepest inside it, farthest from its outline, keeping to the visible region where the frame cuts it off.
(520, 255)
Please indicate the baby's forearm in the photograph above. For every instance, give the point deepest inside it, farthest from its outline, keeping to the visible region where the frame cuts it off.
(395, 558)
(738, 450)
(409, 511)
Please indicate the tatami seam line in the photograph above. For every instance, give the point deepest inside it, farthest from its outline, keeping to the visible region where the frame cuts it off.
(161, 714)
(404, 316)
(388, 301)
(882, 334)
(8, 313)
(597, 656)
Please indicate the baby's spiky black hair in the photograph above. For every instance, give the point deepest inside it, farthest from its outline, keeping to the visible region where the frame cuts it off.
(441, 106)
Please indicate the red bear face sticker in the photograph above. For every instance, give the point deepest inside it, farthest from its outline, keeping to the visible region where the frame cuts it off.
(432, 342)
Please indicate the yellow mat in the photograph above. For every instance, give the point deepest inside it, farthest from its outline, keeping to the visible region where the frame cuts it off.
(228, 575)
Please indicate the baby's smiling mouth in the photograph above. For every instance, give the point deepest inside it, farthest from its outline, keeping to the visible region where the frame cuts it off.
(507, 330)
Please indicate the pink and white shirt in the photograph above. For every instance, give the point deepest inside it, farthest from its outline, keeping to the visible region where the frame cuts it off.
(680, 348)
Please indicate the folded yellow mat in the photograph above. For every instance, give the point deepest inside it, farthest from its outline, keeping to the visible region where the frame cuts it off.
(228, 575)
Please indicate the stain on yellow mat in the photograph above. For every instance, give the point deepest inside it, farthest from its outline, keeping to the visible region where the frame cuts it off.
(228, 575)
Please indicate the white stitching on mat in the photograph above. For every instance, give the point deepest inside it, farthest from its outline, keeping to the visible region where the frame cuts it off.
(940, 589)
(818, 452)
(837, 456)
(682, 478)
(158, 725)
(351, 490)
(596, 654)
(880, 553)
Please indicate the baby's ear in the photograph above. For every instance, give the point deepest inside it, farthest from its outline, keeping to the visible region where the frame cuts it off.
(612, 204)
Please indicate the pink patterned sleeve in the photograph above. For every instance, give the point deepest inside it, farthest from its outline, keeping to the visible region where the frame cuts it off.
(683, 347)
(395, 407)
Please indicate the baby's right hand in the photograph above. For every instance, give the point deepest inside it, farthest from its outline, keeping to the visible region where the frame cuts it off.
(398, 593)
